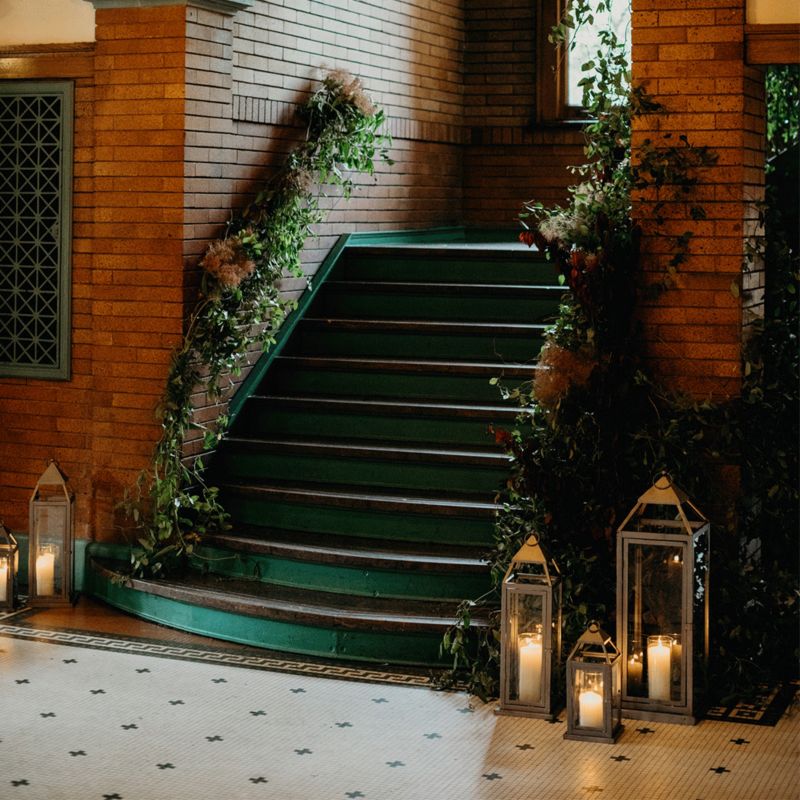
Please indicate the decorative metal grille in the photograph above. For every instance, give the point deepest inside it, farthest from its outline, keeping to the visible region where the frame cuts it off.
(35, 144)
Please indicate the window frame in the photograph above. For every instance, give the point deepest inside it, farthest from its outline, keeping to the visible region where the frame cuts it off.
(66, 90)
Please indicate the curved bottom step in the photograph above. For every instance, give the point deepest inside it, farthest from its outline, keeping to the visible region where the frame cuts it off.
(276, 619)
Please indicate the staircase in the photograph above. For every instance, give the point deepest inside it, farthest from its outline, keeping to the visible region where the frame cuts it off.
(360, 474)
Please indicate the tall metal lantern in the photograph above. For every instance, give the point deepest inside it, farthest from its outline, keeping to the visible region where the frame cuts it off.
(593, 688)
(9, 560)
(530, 633)
(662, 604)
(50, 544)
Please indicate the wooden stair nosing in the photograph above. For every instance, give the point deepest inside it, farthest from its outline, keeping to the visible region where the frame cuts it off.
(355, 553)
(268, 601)
(425, 326)
(454, 251)
(378, 452)
(490, 369)
(448, 507)
(518, 291)
(410, 408)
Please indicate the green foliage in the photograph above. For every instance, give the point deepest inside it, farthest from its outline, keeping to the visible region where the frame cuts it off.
(579, 463)
(783, 107)
(240, 301)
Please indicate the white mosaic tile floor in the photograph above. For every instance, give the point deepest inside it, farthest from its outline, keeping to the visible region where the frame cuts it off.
(80, 723)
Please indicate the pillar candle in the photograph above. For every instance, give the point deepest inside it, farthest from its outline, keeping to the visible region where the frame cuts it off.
(634, 670)
(3, 581)
(590, 709)
(530, 669)
(659, 653)
(45, 574)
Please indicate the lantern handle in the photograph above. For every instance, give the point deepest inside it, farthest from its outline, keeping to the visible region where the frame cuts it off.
(532, 539)
(594, 626)
(663, 474)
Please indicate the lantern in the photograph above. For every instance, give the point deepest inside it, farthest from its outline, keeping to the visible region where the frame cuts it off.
(9, 560)
(593, 688)
(530, 632)
(50, 544)
(662, 603)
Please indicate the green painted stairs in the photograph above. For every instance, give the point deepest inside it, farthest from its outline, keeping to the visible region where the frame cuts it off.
(360, 473)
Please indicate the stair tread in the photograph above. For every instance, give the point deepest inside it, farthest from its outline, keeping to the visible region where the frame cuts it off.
(481, 289)
(372, 553)
(409, 365)
(500, 252)
(435, 326)
(379, 500)
(410, 407)
(309, 607)
(383, 450)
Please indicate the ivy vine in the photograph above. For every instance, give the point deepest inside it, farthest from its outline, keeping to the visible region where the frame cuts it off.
(239, 302)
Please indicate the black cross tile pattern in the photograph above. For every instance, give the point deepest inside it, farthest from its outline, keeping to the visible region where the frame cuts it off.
(304, 751)
(23, 680)
(740, 741)
(176, 702)
(166, 765)
(592, 789)
(354, 794)
(524, 746)
(645, 730)
(258, 713)
(219, 680)
(618, 759)
(47, 714)
(394, 764)
(344, 724)
(114, 796)
(69, 660)
(97, 691)
(432, 735)
(719, 770)
(379, 700)
(214, 739)
(22, 782)
(259, 779)
(492, 776)
(74, 753)
(297, 691)
(143, 670)
(131, 727)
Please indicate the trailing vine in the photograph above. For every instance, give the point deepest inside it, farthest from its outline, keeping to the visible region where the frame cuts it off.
(239, 301)
(596, 429)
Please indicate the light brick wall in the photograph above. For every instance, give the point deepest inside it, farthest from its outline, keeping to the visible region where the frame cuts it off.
(690, 56)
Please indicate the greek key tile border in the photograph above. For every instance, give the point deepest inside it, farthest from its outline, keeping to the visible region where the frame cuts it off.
(208, 656)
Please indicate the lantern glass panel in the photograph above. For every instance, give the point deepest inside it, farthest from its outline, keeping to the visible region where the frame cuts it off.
(588, 699)
(527, 653)
(6, 578)
(654, 653)
(50, 531)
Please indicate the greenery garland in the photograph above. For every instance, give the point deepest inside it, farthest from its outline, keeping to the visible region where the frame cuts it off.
(240, 300)
(573, 442)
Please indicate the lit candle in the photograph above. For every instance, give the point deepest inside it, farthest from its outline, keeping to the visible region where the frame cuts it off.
(635, 669)
(3, 580)
(590, 709)
(659, 653)
(530, 668)
(45, 573)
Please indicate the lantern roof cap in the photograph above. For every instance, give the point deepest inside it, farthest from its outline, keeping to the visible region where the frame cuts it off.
(52, 476)
(664, 492)
(532, 552)
(595, 643)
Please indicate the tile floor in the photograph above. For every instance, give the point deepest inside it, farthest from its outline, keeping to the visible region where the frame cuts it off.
(95, 716)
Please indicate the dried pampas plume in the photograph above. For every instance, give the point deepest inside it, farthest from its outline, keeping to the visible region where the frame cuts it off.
(351, 90)
(227, 261)
(559, 370)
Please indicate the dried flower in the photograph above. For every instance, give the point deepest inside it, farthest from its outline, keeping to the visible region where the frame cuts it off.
(350, 90)
(228, 262)
(559, 370)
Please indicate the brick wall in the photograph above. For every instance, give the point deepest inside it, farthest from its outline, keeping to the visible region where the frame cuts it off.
(691, 57)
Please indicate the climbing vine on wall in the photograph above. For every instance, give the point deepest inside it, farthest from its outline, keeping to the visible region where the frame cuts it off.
(239, 301)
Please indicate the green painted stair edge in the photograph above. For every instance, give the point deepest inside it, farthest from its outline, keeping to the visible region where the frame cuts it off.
(442, 235)
(369, 646)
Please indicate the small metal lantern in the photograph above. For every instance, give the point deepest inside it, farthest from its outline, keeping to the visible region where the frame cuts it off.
(593, 688)
(662, 603)
(50, 544)
(9, 561)
(530, 633)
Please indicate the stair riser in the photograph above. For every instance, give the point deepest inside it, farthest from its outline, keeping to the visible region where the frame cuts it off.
(345, 301)
(365, 427)
(370, 646)
(446, 270)
(370, 385)
(320, 342)
(339, 578)
(283, 467)
(390, 526)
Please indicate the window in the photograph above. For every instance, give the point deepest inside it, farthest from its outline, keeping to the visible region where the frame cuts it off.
(559, 67)
(35, 228)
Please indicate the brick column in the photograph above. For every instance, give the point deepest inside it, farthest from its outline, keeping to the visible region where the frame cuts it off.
(689, 54)
(137, 295)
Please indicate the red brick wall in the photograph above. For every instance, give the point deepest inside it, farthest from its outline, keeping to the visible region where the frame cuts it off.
(691, 57)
